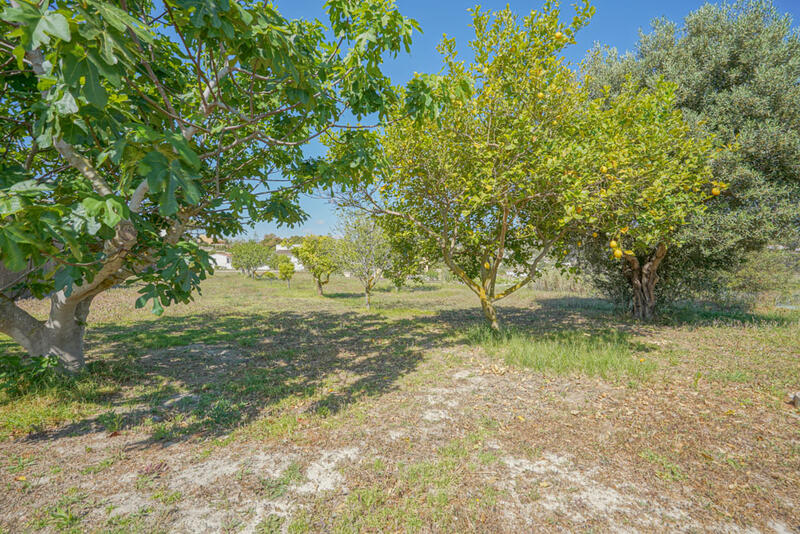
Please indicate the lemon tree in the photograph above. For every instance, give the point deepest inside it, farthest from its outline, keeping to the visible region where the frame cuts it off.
(490, 181)
(657, 176)
(317, 254)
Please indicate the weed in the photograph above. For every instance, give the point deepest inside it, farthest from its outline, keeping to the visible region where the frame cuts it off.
(111, 421)
(272, 524)
(669, 470)
(275, 488)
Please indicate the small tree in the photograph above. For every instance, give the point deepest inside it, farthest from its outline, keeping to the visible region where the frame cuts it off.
(248, 256)
(285, 270)
(363, 250)
(317, 254)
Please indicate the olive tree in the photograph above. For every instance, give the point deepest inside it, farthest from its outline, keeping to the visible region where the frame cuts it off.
(363, 250)
(127, 125)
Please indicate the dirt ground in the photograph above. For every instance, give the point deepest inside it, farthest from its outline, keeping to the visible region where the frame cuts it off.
(262, 409)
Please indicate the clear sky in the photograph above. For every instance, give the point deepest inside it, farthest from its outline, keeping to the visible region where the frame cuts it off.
(615, 23)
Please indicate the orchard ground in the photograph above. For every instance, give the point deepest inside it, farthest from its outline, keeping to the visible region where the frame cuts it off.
(263, 409)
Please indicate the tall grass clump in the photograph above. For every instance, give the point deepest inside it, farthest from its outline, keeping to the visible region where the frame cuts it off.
(608, 354)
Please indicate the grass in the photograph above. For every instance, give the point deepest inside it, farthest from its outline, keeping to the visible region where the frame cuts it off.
(253, 367)
(605, 353)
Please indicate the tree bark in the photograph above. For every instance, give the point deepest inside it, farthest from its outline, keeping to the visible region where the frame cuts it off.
(61, 335)
(319, 286)
(490, 314)
(643, 280)
(366, 297)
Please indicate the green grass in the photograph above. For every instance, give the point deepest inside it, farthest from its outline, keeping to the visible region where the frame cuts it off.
(606, 353)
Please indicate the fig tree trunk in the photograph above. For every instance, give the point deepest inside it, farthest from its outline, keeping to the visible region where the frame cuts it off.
(643, 278)
(61, 335)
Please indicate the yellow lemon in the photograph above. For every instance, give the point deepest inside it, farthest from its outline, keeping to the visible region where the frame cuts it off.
(715, 191)
(559, 35)
(618, 253)
(604, 169)
(613, 244)
(540, 94)
(486, 265)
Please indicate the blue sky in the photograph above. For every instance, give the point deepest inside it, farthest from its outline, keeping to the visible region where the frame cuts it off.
(616, 23)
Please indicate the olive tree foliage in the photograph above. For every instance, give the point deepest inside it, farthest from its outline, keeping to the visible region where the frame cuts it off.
(363, 249)
(736, 68)
(529, 165)
(127, 124)
(318, 256)
(249, 256)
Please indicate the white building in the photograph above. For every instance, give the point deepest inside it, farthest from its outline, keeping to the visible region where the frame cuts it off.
(222, 260)
(287, 251)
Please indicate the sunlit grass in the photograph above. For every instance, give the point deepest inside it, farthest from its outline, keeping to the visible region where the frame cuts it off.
(608, 353)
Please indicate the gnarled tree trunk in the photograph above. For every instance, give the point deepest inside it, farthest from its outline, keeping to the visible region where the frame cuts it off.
(319, 286)
(643, 279)
(61, 335)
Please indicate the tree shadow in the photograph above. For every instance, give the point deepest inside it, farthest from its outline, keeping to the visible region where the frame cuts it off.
(206, 375)
(705, 313)
(345, 295)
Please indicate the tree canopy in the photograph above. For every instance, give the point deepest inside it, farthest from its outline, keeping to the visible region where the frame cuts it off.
(736, 68)
(529, 164)
(318, 256)
(126, 125)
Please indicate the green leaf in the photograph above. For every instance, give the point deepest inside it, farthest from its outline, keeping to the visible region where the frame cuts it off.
(53, 24)
(66, 105)
(13, 256)
(93, 90)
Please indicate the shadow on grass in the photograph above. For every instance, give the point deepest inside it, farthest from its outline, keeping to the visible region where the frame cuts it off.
(207, 375)
(709, 313)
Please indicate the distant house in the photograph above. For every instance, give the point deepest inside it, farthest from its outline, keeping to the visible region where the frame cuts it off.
(204, 240)
(287, 251)
(223, 260)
